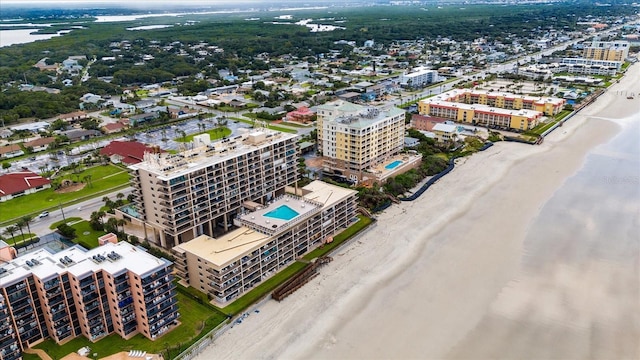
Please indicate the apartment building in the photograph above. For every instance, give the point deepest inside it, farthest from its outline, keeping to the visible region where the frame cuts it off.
(354, 138)
(493, 109)
(199, 191)
(267, 240)
(419, 77)
(607, 50)
(115, 288)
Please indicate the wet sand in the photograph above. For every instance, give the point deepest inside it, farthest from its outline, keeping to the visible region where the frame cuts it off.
(457, 273)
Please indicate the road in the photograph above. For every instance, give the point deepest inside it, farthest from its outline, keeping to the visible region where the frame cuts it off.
(83, 210)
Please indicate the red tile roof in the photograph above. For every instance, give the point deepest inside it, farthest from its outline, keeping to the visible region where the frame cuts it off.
(20, 181)
(131, 151)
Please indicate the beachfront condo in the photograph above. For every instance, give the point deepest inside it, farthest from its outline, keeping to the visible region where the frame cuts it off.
(115, 288)
(354, 138)
(179, 197)
(268, 238)
(607, 50)
(492, 109)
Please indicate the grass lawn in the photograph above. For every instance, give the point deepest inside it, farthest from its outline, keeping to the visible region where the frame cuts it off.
(272, 127)
(104, 178)
(68, 221)
(214, 134)
(340, 238)
(538, 130)
(196, 320)
(85, 235)
(18, 239)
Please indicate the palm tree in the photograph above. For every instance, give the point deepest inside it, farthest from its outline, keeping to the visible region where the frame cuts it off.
(11, 230)
(122, 223)
(27, 221)
(20, 225)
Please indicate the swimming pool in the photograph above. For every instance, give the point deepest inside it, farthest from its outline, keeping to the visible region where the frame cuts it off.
(282, 212)
(393, 165)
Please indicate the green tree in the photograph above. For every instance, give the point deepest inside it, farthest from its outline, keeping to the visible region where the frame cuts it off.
(11, 231)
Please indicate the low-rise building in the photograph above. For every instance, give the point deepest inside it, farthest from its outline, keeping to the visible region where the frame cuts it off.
(21, 183)
(9, 151)
(445, 132)
(493, 109)
(267, 240)
(127, 152)
(419, 77)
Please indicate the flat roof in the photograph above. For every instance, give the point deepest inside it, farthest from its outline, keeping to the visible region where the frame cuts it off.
(355, 115)
(129, 257)
(227, 248)
(167, 166)
(326, 193)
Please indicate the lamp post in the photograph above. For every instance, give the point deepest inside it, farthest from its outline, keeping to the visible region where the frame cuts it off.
(62, 211)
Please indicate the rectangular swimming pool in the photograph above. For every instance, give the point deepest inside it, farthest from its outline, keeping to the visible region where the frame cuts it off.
(393, 165)
(282, 212)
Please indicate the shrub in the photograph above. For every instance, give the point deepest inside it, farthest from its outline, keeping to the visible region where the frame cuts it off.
(67, 231)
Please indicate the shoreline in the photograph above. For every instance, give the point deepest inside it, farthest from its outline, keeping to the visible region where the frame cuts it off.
(411, 278)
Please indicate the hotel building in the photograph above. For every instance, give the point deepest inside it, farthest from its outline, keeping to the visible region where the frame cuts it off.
(115, 288)
(607, 50)
(181, 196)
(505, 110)
(355, 138)
(267, 240)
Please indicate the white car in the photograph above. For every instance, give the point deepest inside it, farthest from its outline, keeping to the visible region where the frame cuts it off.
(43, 214)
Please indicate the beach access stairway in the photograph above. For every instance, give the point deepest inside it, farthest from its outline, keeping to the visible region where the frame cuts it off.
(297, 281)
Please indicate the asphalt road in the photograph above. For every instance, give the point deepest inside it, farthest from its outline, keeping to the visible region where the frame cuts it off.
(83, 210)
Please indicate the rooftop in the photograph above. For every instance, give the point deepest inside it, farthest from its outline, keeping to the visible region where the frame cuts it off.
(357, 116)
(267, 221)
(226, 248)
(167, 166)
(112, 258)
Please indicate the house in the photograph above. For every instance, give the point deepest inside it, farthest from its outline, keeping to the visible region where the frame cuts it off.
(40, 144)
(425, 122)
(9, 151)
(113, 128)
(302, 115)
(144, 104)
(79, 135)
(237, 103)
(21, 183)
(180, 113)
(5, 133)
(445, 132)
(410, 142)
(138, 119)
(74, 117)
(127, 152)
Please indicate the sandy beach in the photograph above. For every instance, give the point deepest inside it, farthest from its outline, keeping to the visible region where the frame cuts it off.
(456, 274)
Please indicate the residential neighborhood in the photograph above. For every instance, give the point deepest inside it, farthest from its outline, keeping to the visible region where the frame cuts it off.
(250, 169)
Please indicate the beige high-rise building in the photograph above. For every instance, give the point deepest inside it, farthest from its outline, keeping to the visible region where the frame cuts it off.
(115, 288)
(267, 240)
(200, 191)
(354, 138)
(607, 50)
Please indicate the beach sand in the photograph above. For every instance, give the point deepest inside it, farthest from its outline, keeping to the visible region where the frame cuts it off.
(434, 276)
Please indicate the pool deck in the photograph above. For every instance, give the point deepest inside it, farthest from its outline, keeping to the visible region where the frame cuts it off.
(409, 161)
(298, 204)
